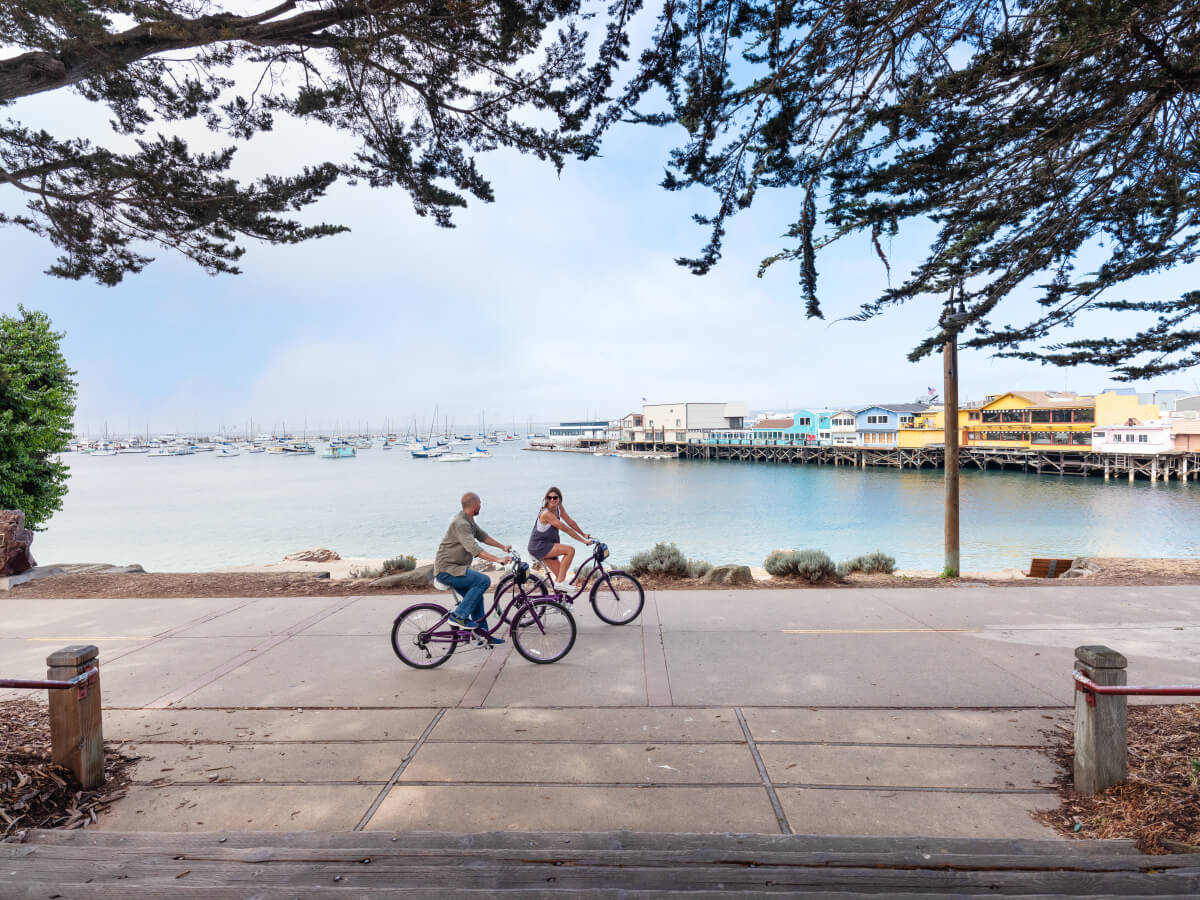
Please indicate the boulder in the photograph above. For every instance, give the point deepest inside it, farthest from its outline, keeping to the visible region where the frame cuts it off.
(15, 540)
(421, 576)
(486, 565)
(317, 554)
(729, 575)
(1081, 568)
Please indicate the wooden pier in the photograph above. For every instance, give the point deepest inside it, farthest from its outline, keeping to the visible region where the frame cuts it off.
(1182, 466)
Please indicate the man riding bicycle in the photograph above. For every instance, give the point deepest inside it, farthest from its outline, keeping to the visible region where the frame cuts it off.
(452, 565)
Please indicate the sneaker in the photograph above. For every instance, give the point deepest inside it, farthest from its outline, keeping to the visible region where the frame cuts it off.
(481, 633)
(460, 623)
(563, 587)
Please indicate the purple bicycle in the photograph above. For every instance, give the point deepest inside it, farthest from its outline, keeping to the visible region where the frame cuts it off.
(542, 629)
(616, 596)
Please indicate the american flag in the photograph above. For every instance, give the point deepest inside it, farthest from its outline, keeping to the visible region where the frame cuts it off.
(931, 392)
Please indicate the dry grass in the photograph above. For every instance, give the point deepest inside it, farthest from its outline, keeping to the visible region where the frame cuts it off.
(34, 793)
(1159, 805)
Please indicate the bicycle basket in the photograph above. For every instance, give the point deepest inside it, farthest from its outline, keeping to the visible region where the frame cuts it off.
(521, 573)
(601, 551)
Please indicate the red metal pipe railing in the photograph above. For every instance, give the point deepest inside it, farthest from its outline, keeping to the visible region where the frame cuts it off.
(1085, 684)
(82, 678)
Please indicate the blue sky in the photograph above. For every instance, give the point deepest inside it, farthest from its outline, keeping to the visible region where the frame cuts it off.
(560, 300)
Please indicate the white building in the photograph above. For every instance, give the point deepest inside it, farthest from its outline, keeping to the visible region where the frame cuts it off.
(672, 423)
(842, 430)
(1134, 437)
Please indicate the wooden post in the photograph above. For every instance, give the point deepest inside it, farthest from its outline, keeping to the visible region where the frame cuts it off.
(1106, 468)
(1100, 722)
(950, 441)
(1154, 471)
(76, 739)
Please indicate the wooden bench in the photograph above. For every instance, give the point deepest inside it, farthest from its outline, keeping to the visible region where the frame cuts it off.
(1048, 568)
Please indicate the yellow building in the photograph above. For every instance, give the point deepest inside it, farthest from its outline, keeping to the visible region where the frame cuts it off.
(1037, 420)
(928, 428)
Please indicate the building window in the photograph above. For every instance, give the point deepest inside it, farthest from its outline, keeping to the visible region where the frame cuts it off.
(804, 420)
(1042, 437)
(1144, 438)
(973, 416)
(1083, 438)
(991, 415)
(1060, 415)
(1012, 415)
(1041, 416)
(677, 423)
(1098, 435)
(1085, 415)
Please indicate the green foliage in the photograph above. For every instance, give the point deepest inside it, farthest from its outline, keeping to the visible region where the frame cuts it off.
(668, 561)
(1194, 773)
(813, 566)
(871, 563)
(1052, 143)
(389, 567)
(37, 404)
(417, 92)
(399, 564)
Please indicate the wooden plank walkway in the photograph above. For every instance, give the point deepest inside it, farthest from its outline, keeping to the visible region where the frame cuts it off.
(81, 864)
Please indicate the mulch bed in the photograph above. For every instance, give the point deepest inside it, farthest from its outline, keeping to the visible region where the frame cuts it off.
(34, 793)
(1159, 805)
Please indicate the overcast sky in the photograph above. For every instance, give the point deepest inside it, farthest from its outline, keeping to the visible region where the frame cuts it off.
(561, 300)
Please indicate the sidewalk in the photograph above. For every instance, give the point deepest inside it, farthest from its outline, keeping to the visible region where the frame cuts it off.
(888, 712)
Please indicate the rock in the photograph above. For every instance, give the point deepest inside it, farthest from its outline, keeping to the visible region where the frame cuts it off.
(730, 575)
(421, 576)
(1081, 568)
(486, 565)
(317, 554)
(15, 540)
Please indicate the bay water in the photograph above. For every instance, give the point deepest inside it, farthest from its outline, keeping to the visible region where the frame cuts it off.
(202, 512)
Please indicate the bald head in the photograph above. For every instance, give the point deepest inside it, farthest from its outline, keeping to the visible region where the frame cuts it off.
(471, 503)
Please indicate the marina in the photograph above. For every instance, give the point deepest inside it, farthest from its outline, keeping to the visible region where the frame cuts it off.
(195, 513)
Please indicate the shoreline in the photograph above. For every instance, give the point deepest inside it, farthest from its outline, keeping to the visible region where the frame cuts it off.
(304, 579)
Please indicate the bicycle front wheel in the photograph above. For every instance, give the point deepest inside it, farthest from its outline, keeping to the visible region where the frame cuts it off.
(506, 592)
(411, 641)
(544, 631)
(618, 598)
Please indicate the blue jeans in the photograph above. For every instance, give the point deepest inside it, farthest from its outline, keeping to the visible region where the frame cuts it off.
(472, 586)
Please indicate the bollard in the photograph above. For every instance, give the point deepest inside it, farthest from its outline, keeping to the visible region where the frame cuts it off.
(1101, 722)
(76, 739)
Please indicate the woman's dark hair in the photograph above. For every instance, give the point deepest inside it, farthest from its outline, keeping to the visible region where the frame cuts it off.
(551, 490)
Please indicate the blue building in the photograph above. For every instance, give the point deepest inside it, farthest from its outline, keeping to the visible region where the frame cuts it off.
(879, 426)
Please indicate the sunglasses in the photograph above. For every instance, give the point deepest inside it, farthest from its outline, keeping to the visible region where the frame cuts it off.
(553, 497)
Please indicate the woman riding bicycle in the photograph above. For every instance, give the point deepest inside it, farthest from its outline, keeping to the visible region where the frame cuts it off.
(544, 541)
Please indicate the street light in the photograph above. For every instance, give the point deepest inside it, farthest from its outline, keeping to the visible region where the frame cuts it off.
(952, 321)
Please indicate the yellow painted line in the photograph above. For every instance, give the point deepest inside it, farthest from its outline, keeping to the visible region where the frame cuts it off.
(68, 639)
(880, 630)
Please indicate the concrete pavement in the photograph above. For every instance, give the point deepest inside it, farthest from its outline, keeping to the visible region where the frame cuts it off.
(887, 711)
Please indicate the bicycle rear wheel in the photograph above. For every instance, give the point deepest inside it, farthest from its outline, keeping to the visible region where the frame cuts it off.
(618, 599)
(409, 633)
(544, 631)
(506, 592)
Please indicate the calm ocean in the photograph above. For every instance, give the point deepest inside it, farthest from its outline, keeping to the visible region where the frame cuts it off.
(195, 513)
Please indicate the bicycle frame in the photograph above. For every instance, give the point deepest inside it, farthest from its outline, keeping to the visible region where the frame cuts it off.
(459, 635)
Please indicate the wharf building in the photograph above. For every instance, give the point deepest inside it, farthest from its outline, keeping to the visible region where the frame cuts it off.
(1114, 433)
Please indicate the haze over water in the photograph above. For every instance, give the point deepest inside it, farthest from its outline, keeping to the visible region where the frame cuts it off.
(200, 512)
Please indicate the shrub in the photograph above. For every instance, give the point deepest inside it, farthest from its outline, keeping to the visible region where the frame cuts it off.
(812, 565)
(698, 568)
(664, 559)
(399, 564)
(389, 567)
(870, 564)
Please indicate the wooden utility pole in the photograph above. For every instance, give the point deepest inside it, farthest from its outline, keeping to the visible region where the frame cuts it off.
(950, 431)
